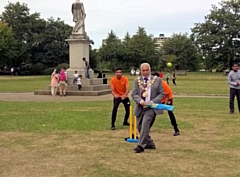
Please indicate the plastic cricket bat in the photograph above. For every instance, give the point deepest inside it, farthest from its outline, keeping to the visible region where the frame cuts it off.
(161, 106)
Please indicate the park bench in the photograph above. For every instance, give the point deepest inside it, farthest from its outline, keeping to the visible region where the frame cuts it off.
(181, 72)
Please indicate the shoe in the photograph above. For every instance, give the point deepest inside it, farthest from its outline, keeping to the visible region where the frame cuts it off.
(126, 124)
(231, 112)
(176, 133)
(150, 147)
(113, 128)
(138, 149)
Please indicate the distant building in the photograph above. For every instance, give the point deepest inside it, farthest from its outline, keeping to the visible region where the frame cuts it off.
(160, 40)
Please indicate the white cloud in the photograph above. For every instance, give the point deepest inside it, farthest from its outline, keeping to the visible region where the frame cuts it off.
(122, 16)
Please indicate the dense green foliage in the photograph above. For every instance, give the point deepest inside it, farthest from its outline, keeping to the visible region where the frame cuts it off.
(35, 44)
(217, 39)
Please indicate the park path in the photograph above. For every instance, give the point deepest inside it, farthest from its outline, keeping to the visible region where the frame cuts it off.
(30, 97)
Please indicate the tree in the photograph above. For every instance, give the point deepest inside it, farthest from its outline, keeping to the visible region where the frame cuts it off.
(93, 57)
(7, 43)
(40, 43)
(17, 16)
(127, 56)
(181, 52)
(218, 37)
(53, 49)
(142, 48)
(111, 50)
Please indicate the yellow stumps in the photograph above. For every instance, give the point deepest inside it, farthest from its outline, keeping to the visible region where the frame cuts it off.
(132, 128)
(130, 122)
(135, 127)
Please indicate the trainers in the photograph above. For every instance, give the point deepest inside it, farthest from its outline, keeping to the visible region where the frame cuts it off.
(176, 133)
(150, 147)
(113, 128)
(231, 112)
(138, 149)
(126, 124)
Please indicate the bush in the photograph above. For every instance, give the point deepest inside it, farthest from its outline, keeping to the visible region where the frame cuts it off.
(103, 70)
(62, 65)
(35, 69)
(48, 71)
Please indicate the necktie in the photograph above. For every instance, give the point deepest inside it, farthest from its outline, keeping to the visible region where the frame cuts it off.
(144, 86)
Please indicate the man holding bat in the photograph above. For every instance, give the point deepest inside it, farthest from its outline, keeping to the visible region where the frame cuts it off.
(168, 99)
(147, 89)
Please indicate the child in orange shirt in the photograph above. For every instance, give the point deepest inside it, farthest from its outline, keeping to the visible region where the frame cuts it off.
(168, 99)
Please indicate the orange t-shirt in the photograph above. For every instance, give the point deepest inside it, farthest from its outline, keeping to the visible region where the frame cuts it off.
(119, 85)
(167, 91)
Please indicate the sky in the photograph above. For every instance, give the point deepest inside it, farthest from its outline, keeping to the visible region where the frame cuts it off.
(121, 16)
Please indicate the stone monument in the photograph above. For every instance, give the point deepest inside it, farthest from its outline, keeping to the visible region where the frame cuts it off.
(78, 43)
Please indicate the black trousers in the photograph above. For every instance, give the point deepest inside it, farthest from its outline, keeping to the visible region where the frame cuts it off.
(167, 79)
(171, 117)
(79, 87)
(174, 81)
(234, 92)
(116, 102)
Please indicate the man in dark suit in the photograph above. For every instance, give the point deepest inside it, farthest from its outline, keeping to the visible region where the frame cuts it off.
(147, 89)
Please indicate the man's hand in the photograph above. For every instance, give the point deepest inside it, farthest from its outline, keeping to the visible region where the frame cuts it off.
(115, 96)
(123, 97)
(238, 83)
(150, 102)
(143, 103)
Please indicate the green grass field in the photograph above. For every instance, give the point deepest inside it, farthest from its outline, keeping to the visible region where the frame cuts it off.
(193, 83)
(74, 138)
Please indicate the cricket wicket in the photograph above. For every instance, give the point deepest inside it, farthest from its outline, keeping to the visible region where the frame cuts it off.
(132, 128)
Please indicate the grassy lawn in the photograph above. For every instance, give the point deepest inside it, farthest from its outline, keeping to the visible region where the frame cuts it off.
(64, 139)
(73, 139)
(193, 83)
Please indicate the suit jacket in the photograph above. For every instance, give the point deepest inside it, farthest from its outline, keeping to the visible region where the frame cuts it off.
(157, 94)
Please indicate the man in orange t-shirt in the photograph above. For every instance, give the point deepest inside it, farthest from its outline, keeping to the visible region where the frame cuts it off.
(120, 89)
(168, 99)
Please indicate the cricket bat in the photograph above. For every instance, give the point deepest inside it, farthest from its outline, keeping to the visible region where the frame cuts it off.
(161, 106)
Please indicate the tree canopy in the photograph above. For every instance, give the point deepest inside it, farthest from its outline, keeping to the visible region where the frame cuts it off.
(217, 39)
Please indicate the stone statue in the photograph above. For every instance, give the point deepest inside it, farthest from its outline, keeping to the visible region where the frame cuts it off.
(79, 16)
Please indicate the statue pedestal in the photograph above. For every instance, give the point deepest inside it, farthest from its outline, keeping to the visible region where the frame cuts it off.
(79, 44)
(78, 49)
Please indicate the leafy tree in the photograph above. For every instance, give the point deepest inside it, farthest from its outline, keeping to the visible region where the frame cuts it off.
(111, 50)
(142, 48)
(181, 52)
(218, 37)
(52, 47)
(93, 57)
(40, 43)
(127, 56)
(7, 43)
(17, 16)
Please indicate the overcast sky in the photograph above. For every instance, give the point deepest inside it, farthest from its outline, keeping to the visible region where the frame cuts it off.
(122, 16)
